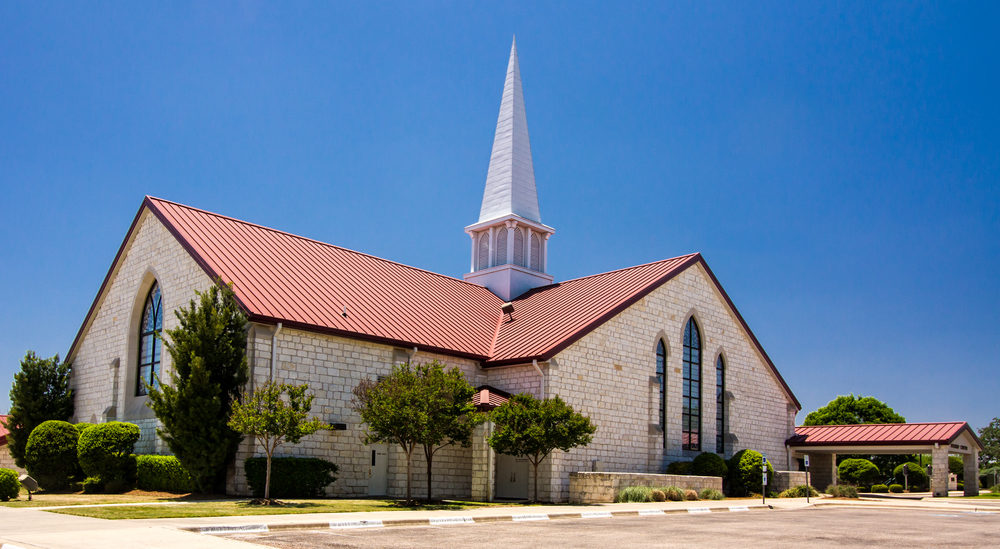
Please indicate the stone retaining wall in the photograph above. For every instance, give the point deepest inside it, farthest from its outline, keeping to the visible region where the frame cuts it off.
(784, 480)
(602, 487)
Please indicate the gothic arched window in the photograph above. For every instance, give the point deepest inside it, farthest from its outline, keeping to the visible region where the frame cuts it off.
(519, 247)
(150, 346)
(661, 376)
(502, 246)
(536, 253)
(483, 259)
(691, 413)
(720, 406)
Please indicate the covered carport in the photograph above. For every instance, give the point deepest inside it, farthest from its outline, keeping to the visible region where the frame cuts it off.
(822, 443)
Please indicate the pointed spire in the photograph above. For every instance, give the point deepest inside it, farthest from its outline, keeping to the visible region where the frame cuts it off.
(510, 181)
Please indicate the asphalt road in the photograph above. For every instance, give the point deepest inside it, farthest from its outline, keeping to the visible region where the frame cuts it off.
(795, 528)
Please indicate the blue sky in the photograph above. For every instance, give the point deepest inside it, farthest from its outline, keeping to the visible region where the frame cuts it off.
(838, 164)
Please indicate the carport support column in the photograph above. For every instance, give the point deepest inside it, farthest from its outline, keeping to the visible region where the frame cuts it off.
(822, 470)
(971, 463)
(483, 464)
(939, 475)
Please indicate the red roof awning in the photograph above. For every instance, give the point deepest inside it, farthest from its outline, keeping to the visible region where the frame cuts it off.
(880, 434)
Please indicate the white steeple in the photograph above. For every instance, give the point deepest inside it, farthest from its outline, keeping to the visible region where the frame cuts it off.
(510, 181)
(509, 242)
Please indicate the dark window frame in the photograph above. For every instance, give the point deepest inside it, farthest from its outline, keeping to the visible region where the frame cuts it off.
(720, 405)
(661, 376)
(150, 325)
(691, 409)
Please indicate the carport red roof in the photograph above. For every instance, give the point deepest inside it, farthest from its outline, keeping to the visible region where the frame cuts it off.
(306, 284)
(879, 434)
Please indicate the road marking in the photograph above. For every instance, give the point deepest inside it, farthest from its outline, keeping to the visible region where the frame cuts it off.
(648, 512)
(978, 512)
(9, 546)
(942, 515)
(699, 510)
(339, 524)
(529, 516)
(242, 529)
(451, 520)
(596, 514)
(738, 508)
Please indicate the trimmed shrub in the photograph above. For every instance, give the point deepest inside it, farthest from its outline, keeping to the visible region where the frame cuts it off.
(162, 474)
(880, 489)
(659, 495)
(50, 455)
(711, 493)
(995, 489)
(842, 491)
(918, 480)
(679, 468)
(744, 476)
(708, 464)
(960, 486)
(896, 488)
(291, 477)
(82, 426)
(690, 495)
(92, 485)
(859, 472)
(10, 487)
(799, 491)
(105, 453)
(674, 493)
(634, 494)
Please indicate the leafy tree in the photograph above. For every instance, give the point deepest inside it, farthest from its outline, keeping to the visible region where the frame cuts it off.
(208, 352)
(273, 420)
(852, 410)
(40, 393)
(423, 405)
(990, 437)
(532, 428)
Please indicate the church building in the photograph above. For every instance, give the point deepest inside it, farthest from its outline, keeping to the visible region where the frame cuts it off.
(657, 355)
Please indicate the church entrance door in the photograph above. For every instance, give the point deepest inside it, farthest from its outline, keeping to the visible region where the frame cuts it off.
(378, 469)
(513, 474)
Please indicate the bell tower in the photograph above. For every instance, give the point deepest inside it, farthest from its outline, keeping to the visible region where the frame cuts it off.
(510, 242)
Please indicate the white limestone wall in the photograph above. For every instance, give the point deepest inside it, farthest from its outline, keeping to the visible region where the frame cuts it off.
(108, 352)
(608, 375)
(332, 366)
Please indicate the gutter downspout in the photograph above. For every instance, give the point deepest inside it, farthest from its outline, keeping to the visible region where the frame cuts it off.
(274, 349)
(541, 373)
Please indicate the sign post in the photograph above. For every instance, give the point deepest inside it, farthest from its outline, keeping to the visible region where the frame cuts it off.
(906, 477)
(808, 486)
(763, 470)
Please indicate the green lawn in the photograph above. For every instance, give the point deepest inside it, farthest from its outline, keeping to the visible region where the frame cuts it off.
(208, 506)
(991, 495)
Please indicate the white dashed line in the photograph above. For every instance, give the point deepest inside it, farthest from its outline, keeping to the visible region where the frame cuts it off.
(595, 514)
(738, 508)
(527, 517)
(242, 529)
(699, 510)
(340, 524)
(648, 512)
(451, 520)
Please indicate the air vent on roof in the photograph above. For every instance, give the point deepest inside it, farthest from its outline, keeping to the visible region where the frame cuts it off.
(508, 309)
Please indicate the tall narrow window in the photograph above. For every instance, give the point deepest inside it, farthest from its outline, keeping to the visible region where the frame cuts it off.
(150, 346)
(720, 406)
(518, 247)
(483, 257)
(536, 253)
(691, 413)
(661, 376)
(502, 246)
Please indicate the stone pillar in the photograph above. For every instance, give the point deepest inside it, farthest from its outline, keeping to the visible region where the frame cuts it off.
(492, 240)
(971, 463)
(483, 464)
(510, 240)
(472, 267)
(822, 470)
(939, 474)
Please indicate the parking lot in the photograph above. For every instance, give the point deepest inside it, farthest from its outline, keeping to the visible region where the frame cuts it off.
(815, 527)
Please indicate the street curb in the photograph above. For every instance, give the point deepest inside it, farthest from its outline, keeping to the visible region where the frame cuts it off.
(447, 520)
(951, 507)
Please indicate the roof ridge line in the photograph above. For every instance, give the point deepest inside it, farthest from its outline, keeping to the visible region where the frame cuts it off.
(306, 238)
(881, 424)
(685, 256)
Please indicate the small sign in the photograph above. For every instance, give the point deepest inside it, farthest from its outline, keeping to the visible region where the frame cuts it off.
(765, 478)
(763, 459)
(807, 460)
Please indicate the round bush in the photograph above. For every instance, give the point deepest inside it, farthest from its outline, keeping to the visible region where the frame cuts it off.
(690, 495)
(674, 493)
(859, 472)
(799, 491)
(708, 464)
(163, 474)
(744, 476)
(105, 451)
(842, 491)
(679, 468)
(50, 455)
(880, 489)
(10, 487)
(711, 493)
(658, 495)
(896, 488)
(82, 426)
(918, 480)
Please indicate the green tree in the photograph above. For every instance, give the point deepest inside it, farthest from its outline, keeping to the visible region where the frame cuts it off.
(990, 437)
(423, 405)
(208, 353)
(40, 393)
(273, 420)
(528, 427)
(852, 410)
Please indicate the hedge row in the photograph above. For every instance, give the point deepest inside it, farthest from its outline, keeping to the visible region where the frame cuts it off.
(291, 477)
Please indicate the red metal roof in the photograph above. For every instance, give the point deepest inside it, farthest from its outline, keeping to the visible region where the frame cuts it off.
(306, 284)
(4, 431)
(487, 398)
(879, 434)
